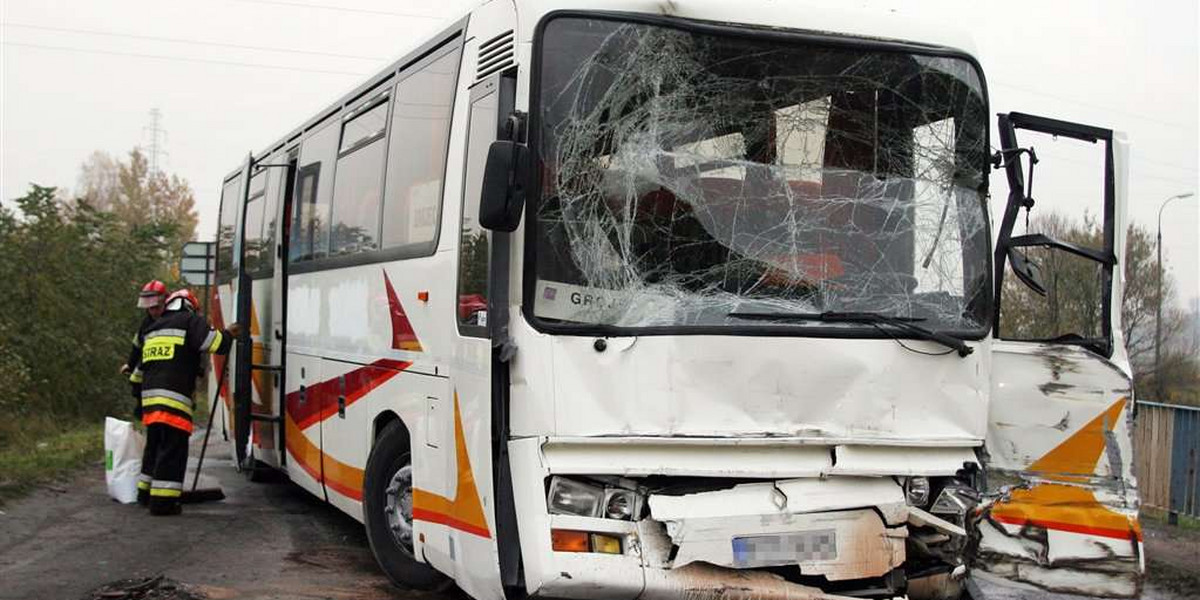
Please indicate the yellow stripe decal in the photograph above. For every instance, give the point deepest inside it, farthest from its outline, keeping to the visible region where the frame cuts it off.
(161, 493)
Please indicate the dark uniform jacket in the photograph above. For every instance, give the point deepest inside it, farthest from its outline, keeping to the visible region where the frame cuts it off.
(172, 349)
(135, 355)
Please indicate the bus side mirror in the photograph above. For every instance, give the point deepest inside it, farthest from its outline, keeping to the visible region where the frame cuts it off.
(503, 191)
(1027, 270)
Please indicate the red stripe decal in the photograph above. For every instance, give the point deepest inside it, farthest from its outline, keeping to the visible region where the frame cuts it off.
(347, 491)
(403, 335)
(1119, 534)
(321, 402)
(443, 519)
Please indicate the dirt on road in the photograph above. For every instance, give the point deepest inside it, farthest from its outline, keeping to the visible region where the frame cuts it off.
(264, 541)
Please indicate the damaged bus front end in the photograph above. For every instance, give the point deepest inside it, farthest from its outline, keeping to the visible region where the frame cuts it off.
(754, 356)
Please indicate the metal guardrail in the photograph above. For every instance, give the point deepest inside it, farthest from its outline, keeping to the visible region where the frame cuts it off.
(1166, 440)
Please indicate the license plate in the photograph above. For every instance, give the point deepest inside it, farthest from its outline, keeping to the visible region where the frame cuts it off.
(784, 548)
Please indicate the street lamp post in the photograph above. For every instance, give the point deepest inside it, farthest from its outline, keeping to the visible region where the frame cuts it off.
(1158, 312)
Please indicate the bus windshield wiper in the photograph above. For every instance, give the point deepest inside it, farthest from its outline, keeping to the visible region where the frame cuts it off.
(907, 324)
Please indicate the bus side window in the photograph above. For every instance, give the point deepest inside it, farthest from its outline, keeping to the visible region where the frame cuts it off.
(300, 247)
(311, 234)
(252, 231)
(417, 148)
(266, 242)
(474, 240)
(227, 263)
(358, 190)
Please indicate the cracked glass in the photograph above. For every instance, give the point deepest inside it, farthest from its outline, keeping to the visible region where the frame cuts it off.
(687, 175)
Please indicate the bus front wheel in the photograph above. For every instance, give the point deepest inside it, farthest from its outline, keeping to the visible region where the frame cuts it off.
(387, 510)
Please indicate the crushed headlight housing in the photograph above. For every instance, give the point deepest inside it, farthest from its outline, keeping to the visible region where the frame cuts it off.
(955, 499)
(570, 497)
(916, 491)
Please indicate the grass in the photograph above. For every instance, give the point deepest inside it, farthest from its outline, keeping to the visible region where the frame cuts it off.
(41, 451)
(1160, 516)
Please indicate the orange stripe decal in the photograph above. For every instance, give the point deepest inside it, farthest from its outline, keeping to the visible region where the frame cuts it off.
(336, 475)
(464, 512)
(301, 450)
(1062, 506)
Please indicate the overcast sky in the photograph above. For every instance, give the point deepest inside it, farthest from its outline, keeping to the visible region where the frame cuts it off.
(230, 76)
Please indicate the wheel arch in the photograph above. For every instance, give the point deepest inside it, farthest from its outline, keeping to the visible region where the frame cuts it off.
(385, 418)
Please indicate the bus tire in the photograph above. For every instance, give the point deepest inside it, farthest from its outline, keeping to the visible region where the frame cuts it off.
(389, 466)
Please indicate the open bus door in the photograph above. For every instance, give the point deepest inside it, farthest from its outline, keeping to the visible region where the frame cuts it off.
(1061, 510)
(257, 367)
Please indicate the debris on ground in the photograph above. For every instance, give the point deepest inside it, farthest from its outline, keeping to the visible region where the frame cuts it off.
(145, 588)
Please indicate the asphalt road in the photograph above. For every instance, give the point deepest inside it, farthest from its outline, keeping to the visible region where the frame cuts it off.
(264, 541)
(275, 541)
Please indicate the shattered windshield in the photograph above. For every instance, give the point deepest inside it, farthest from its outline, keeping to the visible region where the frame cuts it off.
(686, 176)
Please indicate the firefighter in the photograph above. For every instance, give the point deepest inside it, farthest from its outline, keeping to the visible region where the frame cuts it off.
(172, 350)
(152, 298)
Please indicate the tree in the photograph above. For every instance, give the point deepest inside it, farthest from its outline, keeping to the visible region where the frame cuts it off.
(143, 198)
(1073, 305)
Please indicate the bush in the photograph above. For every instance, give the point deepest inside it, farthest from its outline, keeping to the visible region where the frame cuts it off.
(67, 311)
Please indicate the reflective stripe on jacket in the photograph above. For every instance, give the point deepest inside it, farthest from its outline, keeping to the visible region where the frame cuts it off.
(172, 350)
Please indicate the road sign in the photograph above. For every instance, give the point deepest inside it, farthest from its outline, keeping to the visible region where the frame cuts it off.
(201, 249)
(196, 265)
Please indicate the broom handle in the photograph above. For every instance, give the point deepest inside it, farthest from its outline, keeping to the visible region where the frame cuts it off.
(212, 410)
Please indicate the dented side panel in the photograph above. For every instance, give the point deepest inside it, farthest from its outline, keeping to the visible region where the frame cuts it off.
(1063, 498)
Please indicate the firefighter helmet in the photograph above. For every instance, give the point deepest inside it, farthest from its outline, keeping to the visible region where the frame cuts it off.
(181, 299)
(152, 293)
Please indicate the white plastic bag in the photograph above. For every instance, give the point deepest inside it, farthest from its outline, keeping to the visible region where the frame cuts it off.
(122, 459)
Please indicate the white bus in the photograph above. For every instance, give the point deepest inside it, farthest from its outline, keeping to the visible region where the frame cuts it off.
(703, 299)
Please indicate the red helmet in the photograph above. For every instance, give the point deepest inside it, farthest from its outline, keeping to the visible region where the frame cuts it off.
(152, 293)
(185, 300)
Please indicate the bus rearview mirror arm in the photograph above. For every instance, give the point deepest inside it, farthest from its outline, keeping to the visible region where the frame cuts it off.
(503, 190)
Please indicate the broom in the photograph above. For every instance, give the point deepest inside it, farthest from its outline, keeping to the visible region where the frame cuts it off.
(194, 495)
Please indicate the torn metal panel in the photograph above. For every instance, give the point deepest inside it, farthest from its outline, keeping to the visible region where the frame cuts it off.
(801, 522)
(840, 545)
(802, 496)
(699, 581)
(891, 461)
(920, 518)
(1062, 507)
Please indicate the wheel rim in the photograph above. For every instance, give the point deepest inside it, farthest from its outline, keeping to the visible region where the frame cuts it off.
(398, 508)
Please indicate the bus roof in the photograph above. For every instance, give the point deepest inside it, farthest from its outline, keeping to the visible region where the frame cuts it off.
(796, 16)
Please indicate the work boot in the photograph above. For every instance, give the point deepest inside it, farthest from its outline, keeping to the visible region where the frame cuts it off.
(168, 510)
(143, 498)
(165, 509)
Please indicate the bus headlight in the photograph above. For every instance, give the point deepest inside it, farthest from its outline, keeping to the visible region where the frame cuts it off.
(620, 504)
(569, 497)
(916, 491)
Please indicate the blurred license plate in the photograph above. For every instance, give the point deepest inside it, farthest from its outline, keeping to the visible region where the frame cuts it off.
(784, 548)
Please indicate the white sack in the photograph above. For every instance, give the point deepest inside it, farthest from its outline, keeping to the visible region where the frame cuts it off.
(122, 459)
